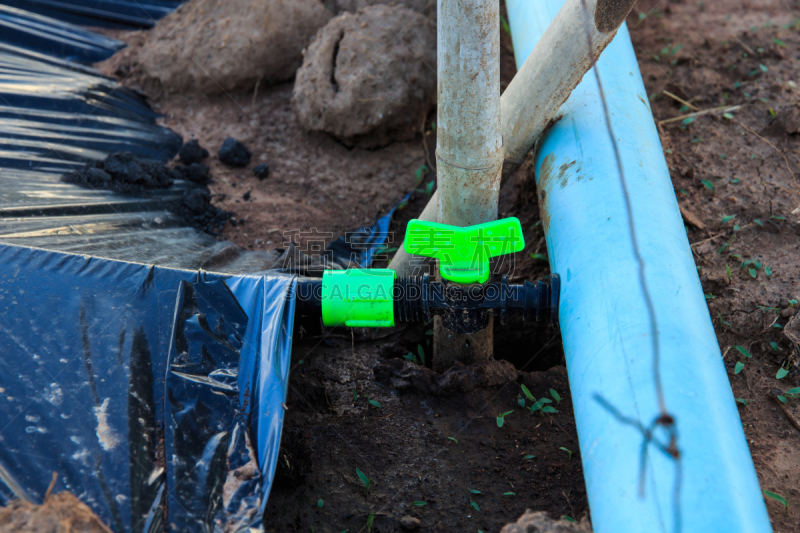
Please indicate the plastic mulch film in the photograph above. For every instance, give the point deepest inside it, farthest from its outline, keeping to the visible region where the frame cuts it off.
(55, 117)
(152, 392)
(54, 38)
(131, 362)
(100, 13)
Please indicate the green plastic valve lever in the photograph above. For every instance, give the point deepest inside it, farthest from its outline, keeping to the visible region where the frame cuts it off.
(464, 253)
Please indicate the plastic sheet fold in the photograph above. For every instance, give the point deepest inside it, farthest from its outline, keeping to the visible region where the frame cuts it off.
(151, 392)
(101, 13)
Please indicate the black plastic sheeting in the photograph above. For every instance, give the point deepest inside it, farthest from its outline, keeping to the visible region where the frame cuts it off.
(56, 39)
(100, 13)
(145, 388)
(142, 360)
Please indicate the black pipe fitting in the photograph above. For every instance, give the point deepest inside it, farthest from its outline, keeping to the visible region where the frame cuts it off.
(463, 308)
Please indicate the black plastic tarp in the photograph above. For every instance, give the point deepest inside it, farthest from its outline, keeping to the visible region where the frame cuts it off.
(142, 387)
(54, 38)
(100, 13)
(142, 360)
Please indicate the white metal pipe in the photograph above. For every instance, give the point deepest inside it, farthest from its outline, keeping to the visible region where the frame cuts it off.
(469, 146)
(544, 82)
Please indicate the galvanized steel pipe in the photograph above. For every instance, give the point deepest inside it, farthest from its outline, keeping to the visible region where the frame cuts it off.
(544, 82)
(469, 146)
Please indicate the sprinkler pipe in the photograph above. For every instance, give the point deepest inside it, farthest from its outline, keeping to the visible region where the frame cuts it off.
(661, 441)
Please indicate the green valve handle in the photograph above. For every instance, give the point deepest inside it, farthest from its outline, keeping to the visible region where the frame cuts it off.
(358, 298)
(464, 253)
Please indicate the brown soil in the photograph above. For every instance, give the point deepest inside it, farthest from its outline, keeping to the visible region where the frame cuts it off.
(60, 513)
(319, 185)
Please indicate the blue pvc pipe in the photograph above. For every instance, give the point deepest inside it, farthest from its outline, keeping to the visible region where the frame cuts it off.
(605, 323)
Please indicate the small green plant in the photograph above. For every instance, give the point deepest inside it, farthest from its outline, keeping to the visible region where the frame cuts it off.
(777, 497)
(555, 396)
(708, 185)
(539, 257)
(795, 392)
(364, 480)
(420, 503)
(374, 403)
(569, 453)
(474, 504)
(527, 393)
(475, 491)
(568, 518)
(355, 395)
(743, 401)
(743, 351)
(782, 373)
(421, 353)
(421, 171)
(738, 368)
(453, 439)
(501, 418)
(320, 504)
(370, 519)
(507, 28)
(509, 494)
(529, 458)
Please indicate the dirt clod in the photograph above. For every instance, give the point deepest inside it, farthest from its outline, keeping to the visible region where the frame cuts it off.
(426, 7)
(403, 375)
(369, 78)
(261, 171)
(233, 153)
(192, 152)
(126, 174)
(212, 47)
(60, 513)
(539, 522)
(409, 522)
(196, 172)
(123, 172)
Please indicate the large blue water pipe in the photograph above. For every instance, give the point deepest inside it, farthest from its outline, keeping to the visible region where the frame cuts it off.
(633, 483)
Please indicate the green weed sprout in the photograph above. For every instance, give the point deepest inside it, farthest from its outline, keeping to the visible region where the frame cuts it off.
(364, 479)
(502, 417)
(777, 497)
(569, 453)
(555, 396)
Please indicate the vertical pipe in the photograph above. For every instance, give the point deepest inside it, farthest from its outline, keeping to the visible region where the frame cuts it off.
(469, 146)
(542, 84)
(608, 328)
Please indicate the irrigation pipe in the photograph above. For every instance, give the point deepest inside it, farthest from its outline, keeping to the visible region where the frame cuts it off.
(639, 476)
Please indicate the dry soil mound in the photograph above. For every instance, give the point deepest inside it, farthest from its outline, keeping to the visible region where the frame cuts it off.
(369, 78)
(211, 46)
